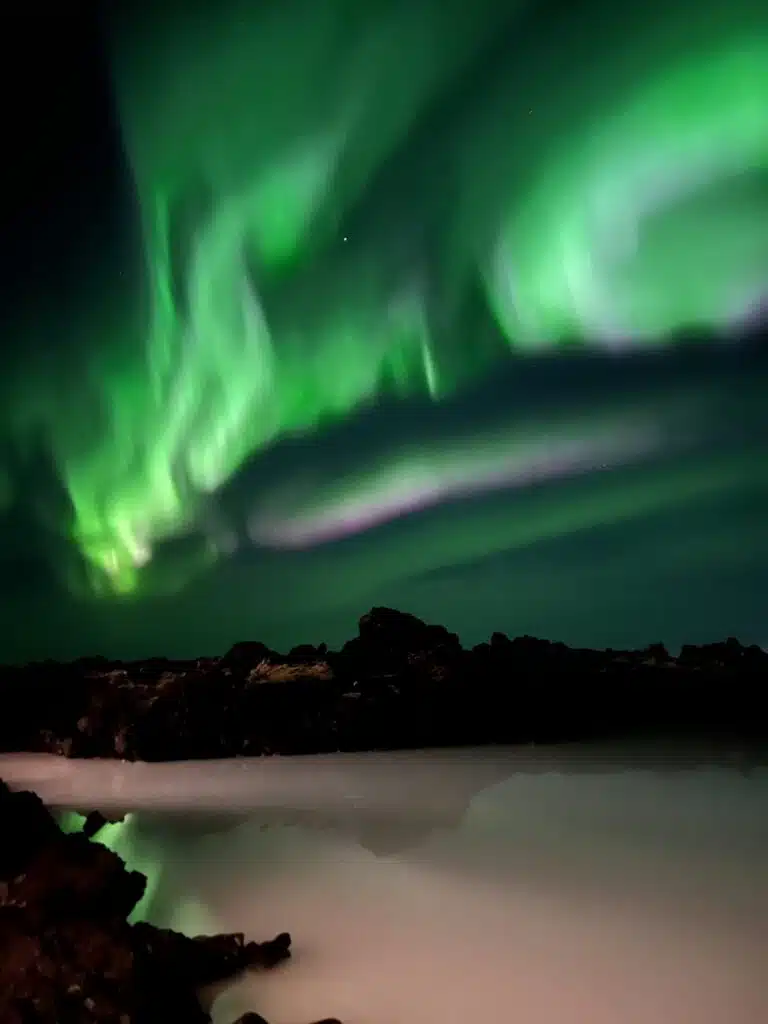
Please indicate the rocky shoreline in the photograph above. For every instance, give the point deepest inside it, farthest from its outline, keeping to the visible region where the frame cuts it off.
(399, 684)
(68, 954)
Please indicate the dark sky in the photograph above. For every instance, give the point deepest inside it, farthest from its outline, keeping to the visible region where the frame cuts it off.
(599, 496)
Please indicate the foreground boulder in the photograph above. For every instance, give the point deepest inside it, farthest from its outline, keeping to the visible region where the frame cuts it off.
(67, 952)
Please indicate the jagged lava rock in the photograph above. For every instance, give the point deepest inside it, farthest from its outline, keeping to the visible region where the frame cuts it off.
(67, 952)
(400, 683)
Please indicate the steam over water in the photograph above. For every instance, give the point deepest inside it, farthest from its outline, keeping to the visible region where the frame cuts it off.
(596, 887)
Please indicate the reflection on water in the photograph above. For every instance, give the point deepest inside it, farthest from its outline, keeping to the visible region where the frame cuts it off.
(589, 887)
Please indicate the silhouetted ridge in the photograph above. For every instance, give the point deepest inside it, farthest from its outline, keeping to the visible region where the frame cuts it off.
(399, 684)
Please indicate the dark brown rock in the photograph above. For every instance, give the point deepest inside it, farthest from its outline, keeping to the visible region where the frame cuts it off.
(95, 821)
(67, 952)
(400, 683)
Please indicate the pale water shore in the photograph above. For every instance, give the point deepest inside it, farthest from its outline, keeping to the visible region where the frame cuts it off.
(573, 885)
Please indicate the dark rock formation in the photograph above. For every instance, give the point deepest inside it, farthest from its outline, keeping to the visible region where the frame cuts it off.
(67, 952)
(399, 684)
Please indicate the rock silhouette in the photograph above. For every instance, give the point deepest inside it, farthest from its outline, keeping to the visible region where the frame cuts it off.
(67, 952)
(399, 684)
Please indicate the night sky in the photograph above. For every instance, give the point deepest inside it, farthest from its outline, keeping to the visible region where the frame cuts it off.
(445, 305)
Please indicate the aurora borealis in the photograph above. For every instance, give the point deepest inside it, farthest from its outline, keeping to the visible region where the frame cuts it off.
(400, 289)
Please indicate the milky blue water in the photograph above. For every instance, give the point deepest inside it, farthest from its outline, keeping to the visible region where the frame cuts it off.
(536, 885)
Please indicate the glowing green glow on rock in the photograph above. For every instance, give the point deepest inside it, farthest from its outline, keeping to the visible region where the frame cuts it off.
(118, 837)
